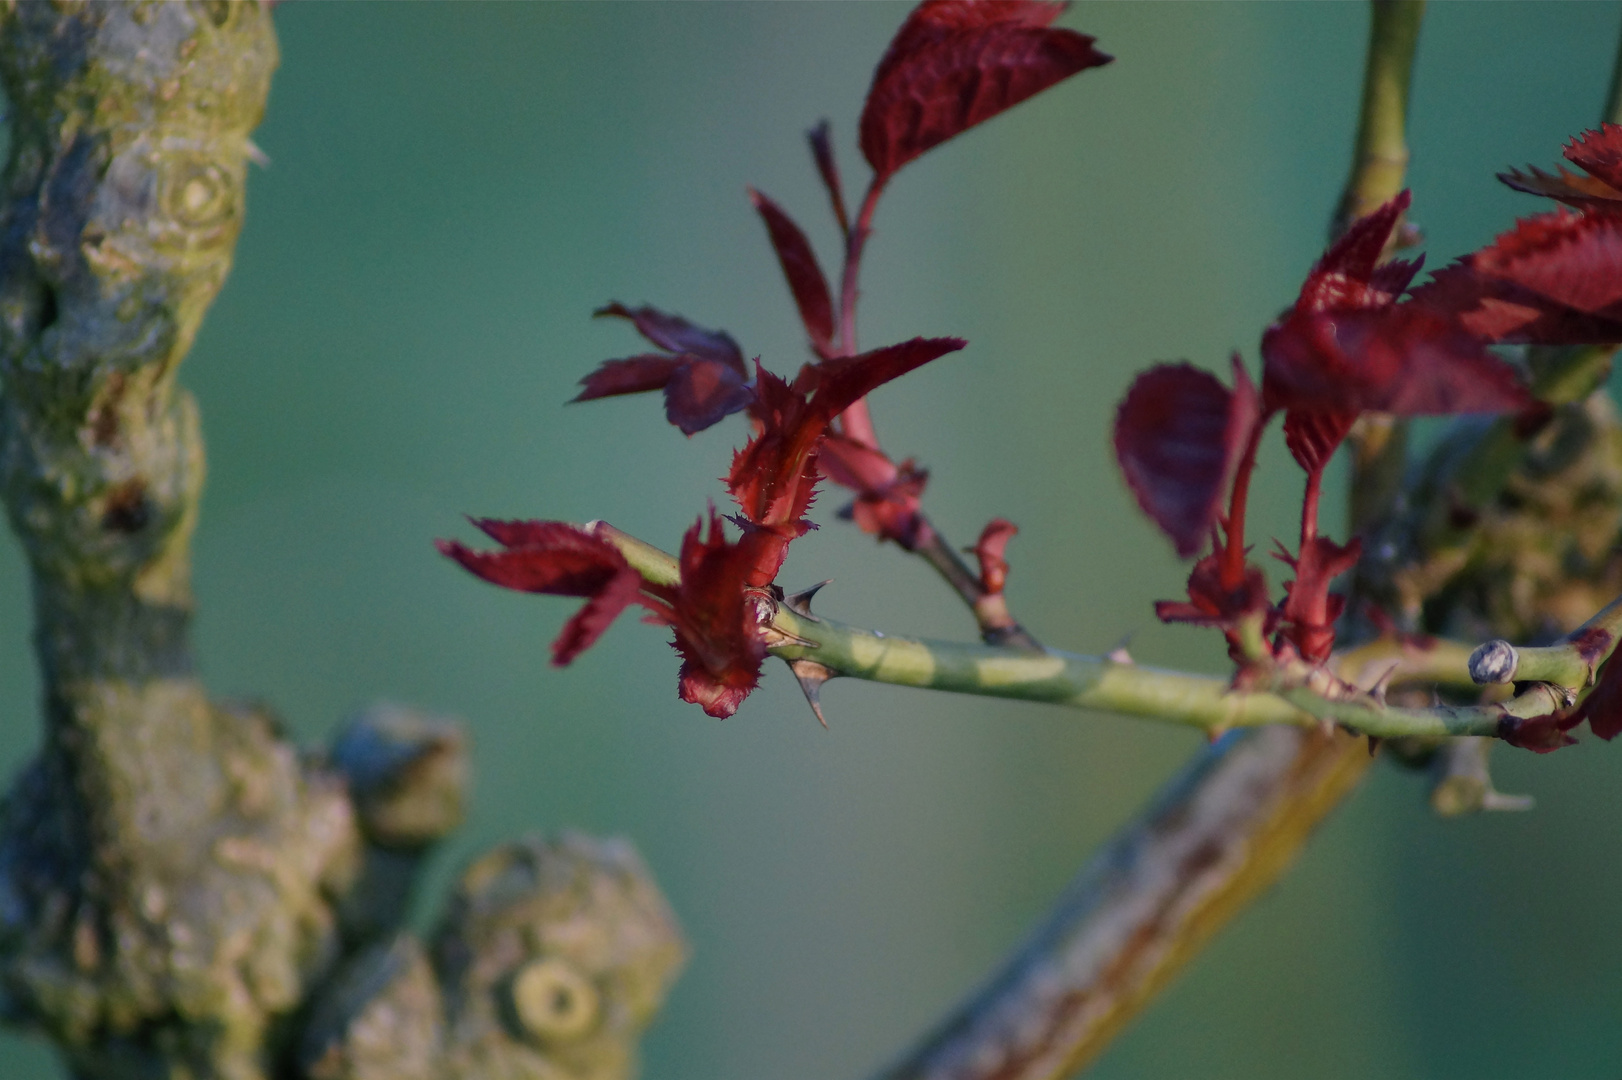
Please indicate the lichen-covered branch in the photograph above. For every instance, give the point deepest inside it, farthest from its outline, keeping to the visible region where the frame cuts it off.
(176, 880)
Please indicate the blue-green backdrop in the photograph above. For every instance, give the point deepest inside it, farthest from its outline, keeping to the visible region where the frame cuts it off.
(454, 188)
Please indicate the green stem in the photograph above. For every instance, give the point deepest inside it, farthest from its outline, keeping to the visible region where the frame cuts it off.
(1090, 682)
(1380, 158)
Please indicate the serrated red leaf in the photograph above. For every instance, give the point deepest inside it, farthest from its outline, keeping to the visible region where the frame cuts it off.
(1599, 153)
(717, 623)
(804, 273)
(675, 334)
(1405, 359)
(1178, 436)
(1349, 274)
(956, 63)
(773, 478)
(1554, 279)
(842, 381)
(1580, 192)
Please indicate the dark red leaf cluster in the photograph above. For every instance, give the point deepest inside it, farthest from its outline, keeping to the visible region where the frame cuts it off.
(956, 63)
(701, 371)
(715, 616)
(1556, 278)
(562, 560)
(1350, 345)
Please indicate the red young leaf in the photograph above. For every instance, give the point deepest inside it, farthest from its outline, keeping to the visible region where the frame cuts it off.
(800, 267)
(560, 559)
(989, 550)
(717, 622)
(956, 63)
(1349, 274)
(1599, 152)
(704, 378)
(844, 380)
(702, 392)
(675, 334)
(633, 375)
(1178, 436)
(773, 478)
(1581, 192)
(1210, 603)
(1554, 279)
(1313, 435)
(823, 152)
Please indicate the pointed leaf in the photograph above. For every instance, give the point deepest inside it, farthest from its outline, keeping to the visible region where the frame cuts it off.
(1349, 274)
(1580, 192)
(677, 335)
(843, 381)
(957, 63)
(633, 375)
(804, 274)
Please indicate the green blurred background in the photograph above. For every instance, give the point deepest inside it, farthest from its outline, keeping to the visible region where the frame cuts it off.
(453, 189)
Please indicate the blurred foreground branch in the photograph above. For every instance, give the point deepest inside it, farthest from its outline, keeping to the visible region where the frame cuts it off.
(178, 883)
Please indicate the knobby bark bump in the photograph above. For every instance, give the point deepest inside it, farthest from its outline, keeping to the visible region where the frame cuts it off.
(182, 892)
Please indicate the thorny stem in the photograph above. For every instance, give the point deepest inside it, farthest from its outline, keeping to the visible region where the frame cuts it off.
(1089, 682)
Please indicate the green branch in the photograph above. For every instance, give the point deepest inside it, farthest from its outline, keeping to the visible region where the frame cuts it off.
(1303, 698)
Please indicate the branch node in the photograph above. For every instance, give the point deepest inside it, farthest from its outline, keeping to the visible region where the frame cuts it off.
(1494, 662)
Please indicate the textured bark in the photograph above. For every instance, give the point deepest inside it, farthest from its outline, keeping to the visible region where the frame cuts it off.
(176, 880)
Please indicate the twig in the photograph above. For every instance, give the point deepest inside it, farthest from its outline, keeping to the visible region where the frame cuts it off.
(1098, 683)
